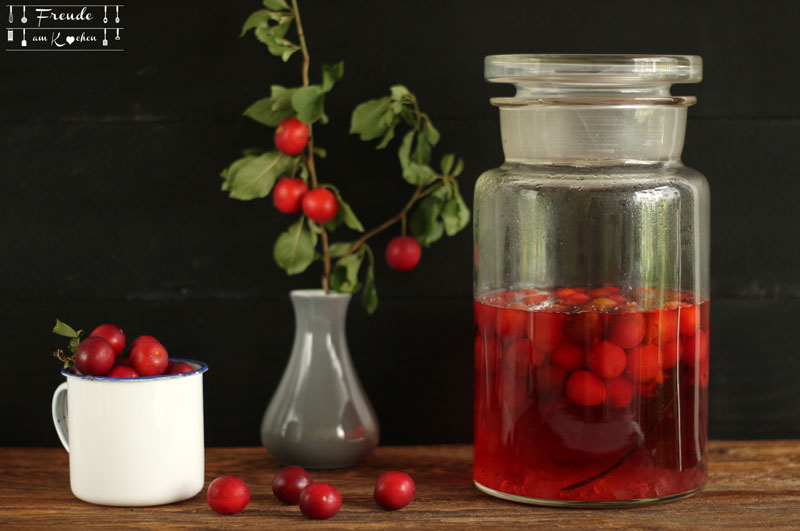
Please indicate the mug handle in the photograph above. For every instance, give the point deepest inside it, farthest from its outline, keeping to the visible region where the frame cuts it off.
(59, 407)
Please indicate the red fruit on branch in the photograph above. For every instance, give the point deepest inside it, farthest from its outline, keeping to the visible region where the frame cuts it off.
(320, 501)
(403, 253)
(291, 137)
(289, 482)
(394, 490)
(288, 195)
(149, 358)
(94, 356)
(228, 495)
(113, 334)
(320, 205)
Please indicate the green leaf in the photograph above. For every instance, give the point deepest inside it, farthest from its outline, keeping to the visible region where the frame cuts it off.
(338, 249)
(294, 249)
(74, 342)
(369, 295)
(344, 215)
(400, 92)
(404, 151)
(447, 163)
(320, 152)
(424, 223)
(387, 136)
(430, 133)
(273, 110)
(256, 177)
(344, 277)
(277, 5)
(272, 36)
(372, 118)
(256, 18)
(254, 152)
(459, 168)
(63, 329)
(308, 102)
(455, 214)
(228, 173)
(331, 74)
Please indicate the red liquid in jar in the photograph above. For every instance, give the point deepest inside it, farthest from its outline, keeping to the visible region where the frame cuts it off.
(591, 394)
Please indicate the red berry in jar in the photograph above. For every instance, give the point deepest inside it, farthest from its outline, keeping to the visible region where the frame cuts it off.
(320, 205)
(486, 352)
(661, 326)
(569, 356)
(288, 195)
(149, 358)
(619, 392)
(511, 323)
(643, 363)
(671, 354)
(113, 334)
(520, 356)
(550, 381)
(289, 482)
(688, 320)
(228, 495)
(178, 367)
(485, 317)
(585, 388)
(585, 329)
(607, 360)
(122, 371)
(546, 329)
(320, 501)
(394, 490)
(627, 329)
(695, 349)
(403, 253)
(291, 137)
(94, 356)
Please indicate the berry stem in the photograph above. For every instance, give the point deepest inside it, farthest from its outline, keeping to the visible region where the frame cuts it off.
(310, 147)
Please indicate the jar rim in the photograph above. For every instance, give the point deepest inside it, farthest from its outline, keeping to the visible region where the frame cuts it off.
(606, 69)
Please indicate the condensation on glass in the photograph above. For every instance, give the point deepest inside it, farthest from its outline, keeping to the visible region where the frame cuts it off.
(591, 286)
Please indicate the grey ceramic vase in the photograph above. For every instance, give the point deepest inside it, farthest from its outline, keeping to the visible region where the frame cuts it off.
(319, 417)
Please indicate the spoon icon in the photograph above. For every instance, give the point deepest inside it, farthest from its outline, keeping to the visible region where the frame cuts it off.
(117, 15)
(24, 18)
(10, 14)
(105, 17)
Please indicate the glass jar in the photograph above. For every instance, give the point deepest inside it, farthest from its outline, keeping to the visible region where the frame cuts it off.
(591, 286)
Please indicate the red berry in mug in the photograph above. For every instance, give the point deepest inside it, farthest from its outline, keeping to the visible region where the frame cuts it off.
(403, 253)
(149, 358)
(607, 360)
(177, 367)
(228, 495)
(113, 334)
(585, 388)
(289, 482)
(394, 490)
(143, 338)
(320, 501)
(288, 195)
(320, 205)
(291, 137)
(122, 371)
(94, 356)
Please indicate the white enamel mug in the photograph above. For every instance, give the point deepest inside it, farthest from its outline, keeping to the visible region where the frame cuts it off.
(133, 441)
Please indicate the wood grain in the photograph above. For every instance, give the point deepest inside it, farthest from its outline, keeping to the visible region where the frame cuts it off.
(751, 485)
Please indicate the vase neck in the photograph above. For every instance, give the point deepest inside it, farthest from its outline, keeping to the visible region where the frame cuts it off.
(317, 312)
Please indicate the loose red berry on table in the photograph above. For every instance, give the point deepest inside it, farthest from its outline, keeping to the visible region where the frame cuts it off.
(291, 137)
(403, 253)
(569, 356)
(122, 371)
(607, 360)
(585, 388)
(113, 334)
(288, 195)
(320, 501)
(619, 392)
(627, 329)
(643, 363)
(289, 482)
(320, 205)
(178, 367)
(394, 490)
(94, 356)
(228, 495)
(149, 358)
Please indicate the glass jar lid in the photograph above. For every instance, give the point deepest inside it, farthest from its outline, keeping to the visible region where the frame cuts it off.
(592, 69)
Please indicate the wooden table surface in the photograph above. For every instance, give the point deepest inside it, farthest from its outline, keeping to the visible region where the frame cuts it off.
(751, 485)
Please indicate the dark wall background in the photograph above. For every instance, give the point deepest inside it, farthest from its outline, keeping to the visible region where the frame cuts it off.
(110, 207)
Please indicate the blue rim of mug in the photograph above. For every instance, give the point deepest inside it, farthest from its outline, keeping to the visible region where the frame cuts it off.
(203, 368)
